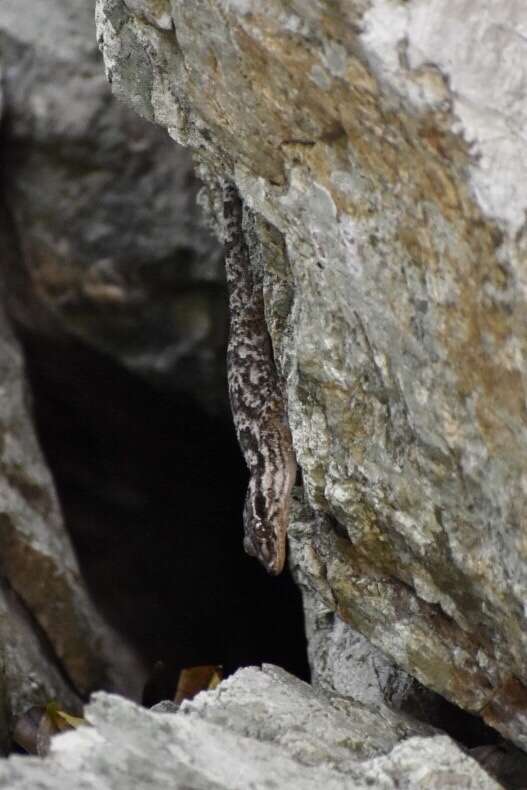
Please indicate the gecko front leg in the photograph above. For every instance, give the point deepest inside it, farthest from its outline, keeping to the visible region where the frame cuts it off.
(257, 402)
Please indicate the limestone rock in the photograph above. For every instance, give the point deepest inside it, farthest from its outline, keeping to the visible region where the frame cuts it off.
(259, 729)
(381, 145)
(315, 728)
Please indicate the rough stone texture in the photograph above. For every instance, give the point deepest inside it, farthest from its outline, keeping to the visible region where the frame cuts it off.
(260, 729)
(313, 727)
(52, 642)
(381, 143)
(106, 233)
(30, 673)
(342, 660)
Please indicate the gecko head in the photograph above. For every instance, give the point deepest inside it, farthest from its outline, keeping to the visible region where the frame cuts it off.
(265, 531)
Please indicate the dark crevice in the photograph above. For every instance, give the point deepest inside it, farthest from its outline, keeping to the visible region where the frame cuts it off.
(152, 490)
(465, 728)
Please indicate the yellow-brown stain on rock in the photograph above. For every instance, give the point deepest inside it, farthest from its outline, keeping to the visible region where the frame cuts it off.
(418, 243)
(508, 704)
(375, 602)
(52, 594)
(475, 354)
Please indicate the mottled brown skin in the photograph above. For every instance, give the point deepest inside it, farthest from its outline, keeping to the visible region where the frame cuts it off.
(257, 402)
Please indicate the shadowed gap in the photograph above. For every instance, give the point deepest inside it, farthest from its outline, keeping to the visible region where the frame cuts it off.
(152, 491)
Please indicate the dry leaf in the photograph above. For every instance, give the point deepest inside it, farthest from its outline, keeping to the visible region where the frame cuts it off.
(196, 679)
(62, 720)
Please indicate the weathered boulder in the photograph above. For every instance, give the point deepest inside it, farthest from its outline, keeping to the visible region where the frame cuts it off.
(260, 728)
(379, 146)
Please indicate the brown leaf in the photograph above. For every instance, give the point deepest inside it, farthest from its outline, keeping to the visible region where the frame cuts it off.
(196, 679)
(64, 721)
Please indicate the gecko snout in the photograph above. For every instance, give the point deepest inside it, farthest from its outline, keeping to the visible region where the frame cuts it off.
(265, 553)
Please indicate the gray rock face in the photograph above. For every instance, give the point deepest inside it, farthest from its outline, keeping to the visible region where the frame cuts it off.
(316, 729)
(387, 165)
(30, 675)
(106, 236)
(259, 729)
(52, 642)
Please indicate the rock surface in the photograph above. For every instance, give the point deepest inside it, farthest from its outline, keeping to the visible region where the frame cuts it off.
(379, 145)
(106, 233)
(259, 729)
(31, 674)
(52, 641)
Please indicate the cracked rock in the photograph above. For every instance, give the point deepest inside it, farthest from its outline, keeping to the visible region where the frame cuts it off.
(260, 729)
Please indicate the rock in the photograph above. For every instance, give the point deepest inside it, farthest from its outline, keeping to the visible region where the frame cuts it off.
(30, 675)
(52, 642)
(165, 706)
(260, 728)
(316, 729)
(504, 762)
(108, 242)
(378, 146)
(157, 12)
(342, 660)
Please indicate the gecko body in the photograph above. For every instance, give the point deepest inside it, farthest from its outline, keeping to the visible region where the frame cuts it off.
(257, 402)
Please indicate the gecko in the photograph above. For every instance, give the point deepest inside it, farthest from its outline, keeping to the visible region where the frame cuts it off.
(256, 398)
